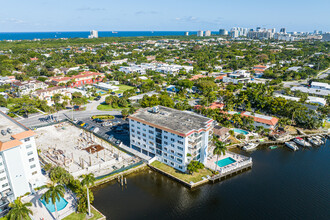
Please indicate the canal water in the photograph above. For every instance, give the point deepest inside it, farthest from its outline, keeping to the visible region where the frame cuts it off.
(281, 185)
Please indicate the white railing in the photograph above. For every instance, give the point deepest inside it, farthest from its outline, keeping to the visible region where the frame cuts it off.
(236, 165)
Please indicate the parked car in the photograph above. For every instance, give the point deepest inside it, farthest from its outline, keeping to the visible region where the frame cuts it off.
(118, 142)
(85, 125)
(97, 120)
(97, 98)
(110, 137)
(91, 128)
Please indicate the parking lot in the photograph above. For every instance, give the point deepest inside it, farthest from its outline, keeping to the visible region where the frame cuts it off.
(116, 130)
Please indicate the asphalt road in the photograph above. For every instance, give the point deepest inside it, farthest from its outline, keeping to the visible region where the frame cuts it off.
(42, 119)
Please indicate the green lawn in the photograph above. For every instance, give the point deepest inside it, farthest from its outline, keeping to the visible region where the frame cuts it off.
(82, 216)
(105, 107)
(195, 177)
(123, 88)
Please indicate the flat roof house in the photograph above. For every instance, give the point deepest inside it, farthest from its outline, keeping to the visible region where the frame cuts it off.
(171, 135)
(19, 163)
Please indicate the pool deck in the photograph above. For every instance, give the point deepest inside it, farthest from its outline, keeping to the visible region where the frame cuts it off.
(40, 212)
(242, 163)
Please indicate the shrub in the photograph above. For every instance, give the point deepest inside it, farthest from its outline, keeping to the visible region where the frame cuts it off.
(103, 116)
(240, 136)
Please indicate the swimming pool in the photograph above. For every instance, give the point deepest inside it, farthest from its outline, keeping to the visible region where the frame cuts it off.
(59, 204)
(240, 131)
(100, 92)
(225, 162)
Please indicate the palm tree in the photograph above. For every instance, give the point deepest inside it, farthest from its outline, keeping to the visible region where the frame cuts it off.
(88, 181)
(19, 210)
(220, 148)
(54, 193)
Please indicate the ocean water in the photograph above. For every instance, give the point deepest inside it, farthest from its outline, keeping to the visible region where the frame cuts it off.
(281, 185)
(84, 34)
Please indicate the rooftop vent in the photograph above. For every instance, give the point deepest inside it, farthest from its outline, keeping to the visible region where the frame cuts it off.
(155, 109)
(8, 130)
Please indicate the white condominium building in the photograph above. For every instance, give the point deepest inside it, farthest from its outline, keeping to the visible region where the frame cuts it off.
(19, 164)
(174, 137)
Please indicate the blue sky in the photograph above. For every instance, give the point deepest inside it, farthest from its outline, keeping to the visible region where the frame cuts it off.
(180, 15)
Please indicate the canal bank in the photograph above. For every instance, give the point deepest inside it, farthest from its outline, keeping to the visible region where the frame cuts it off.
(282, 184)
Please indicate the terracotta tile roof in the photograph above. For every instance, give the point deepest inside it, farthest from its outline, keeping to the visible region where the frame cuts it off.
(9, 144)
(24, 134)
(273, 121)
(260, 66)
(197, 77)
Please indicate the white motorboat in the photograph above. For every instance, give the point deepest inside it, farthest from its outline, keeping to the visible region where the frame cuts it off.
(250, 146)
(301, 142)
(319, 138)
(313, 141)
(292, 145)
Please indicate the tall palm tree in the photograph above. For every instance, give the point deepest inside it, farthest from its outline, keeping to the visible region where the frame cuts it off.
(220, 148)
(88, 181)
(54, 193)
(19, 210)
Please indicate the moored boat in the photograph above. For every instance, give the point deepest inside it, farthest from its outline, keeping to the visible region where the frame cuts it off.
(292, 145)
(250, 146)
(301, 142)
(313, 141)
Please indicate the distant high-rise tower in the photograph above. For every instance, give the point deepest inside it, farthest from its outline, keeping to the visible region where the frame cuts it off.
(186, 33)
(207, 33)
(258, 28)
(94, 34)
(223, 32)
(282, 31)
(200, 33)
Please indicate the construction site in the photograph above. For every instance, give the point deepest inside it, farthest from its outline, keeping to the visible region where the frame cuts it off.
(79, 151)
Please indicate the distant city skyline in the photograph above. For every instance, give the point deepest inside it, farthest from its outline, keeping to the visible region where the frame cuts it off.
(147, 15)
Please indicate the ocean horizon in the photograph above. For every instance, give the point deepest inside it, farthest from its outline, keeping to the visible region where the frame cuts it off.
(84, 34)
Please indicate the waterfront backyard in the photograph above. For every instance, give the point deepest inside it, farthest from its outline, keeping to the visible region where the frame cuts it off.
(195, 177)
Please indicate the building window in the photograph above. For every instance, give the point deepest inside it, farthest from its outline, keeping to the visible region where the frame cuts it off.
(133, 135)
(151, 148)
(151, 132)
(172, 145)
(138, 128)
(165, 143)
(2, 171)
(4, 185)
(172, 139)
(180, 142)
(180, 148)
(172, 151)
(138, 122)
(138, 132)
(165, 137)
(28, 146)
(32, 166)
(0, 163)
(151, 137)
(31, 160)
(27, 139)
(132, 130)
(132, 125)
(172, 157)
(34, 173)
(180, 167)
(165, 148)
(165, 132)
(172, 163)
(180, 155)
(30, 153)
(2, 179)
(144, 135)
(179, 160)
(165, 160)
